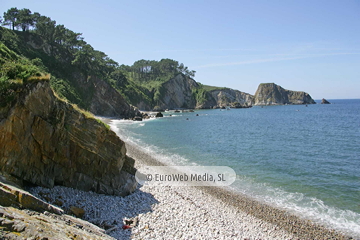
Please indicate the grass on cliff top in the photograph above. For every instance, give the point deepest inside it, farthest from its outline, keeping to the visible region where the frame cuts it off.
(15, 71)
(89, 115)
(15, 68)
(211, 88)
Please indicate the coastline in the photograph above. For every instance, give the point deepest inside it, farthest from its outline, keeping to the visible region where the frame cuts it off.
(271, 222)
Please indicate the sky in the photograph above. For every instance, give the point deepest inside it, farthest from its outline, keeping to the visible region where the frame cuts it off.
(311, 46)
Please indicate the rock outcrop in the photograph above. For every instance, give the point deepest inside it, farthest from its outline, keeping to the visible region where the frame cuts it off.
(27, 224)
(177, 93)
(103, 99)
(180, 92)
(12, 196)
(229, 97)
(47, 142)
(24, 216)
(324, 101)
(272, 94)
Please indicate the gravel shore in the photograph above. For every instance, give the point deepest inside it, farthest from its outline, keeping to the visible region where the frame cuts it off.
(184, 212)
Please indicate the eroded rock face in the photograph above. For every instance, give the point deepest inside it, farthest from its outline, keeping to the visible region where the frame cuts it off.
(177, 93)
(272, 94)
(231, 97)
(47, 142)
(106, 101)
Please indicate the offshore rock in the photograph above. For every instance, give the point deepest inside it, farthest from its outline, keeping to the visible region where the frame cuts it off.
(47, 142)
(324, 101)
(159, 114)
(272, 94)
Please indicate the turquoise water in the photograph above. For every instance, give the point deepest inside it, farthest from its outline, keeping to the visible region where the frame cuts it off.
(302, 159)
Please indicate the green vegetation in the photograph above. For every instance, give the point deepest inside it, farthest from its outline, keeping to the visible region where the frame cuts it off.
(212, 88)
(68, 58)
(15, 71)
(74, 64)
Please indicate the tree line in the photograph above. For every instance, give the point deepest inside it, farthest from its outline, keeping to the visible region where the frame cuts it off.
(57, 36)
(151, 70)
(84, 56)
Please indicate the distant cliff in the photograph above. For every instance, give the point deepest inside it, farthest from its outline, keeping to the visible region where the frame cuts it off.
(272, 94)
(184, 92)
(230, 97)
(47, 142)
(177, 93)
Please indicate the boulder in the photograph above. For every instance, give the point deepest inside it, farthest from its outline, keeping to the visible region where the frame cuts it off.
(77, 212)
(159, 114)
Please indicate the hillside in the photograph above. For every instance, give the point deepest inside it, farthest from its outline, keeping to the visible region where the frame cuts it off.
(89, 78)
(57, 143)
(70, 77)
(93, 81)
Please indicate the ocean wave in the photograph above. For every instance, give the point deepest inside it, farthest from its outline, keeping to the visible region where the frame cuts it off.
(297, 203)
(294, 202)
(158, 153)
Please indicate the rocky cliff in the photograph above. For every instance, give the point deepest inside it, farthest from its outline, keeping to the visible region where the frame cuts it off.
(272, 94)
(47, 142)
(231, 97)
(104, 100)
(177, 93)
(185, 92)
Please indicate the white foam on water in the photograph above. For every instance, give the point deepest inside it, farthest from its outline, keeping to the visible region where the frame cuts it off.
(308, 208)
(159, 154)
(297, 203)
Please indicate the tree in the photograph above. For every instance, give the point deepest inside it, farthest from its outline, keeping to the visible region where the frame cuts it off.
(25, 19)
(10, 17)
(1, 19)
(45, 27)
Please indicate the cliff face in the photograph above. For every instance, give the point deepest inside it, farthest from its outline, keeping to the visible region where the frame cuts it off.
(103, 99)
(180, 92)
(231, 97)
(47, 142)
(177, 93)
(272, 94)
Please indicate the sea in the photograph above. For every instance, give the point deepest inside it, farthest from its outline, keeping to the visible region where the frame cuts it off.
(303, 159)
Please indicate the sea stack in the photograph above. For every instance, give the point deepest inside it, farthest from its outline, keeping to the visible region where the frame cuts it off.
(272, 94)
(324, 101)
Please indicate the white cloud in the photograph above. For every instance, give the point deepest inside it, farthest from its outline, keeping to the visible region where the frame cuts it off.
(263, 60)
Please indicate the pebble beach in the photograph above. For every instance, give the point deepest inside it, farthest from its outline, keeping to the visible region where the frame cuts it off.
(154, 212)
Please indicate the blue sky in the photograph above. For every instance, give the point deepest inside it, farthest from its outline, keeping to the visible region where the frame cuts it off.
(311, 46)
